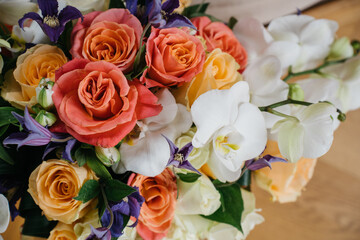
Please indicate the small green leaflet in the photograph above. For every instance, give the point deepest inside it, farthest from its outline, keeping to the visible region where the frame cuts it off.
(232, 22)
(88, 191)
(188, 177)
(231, 207)
(5, 156)
(115, 190)
(6, 117)
(198, 8)
(80, 156)
(88, 156)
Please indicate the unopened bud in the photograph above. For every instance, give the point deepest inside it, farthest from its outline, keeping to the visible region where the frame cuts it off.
(341, 117)
(108, 156)
(341, 49)
(44, 93)
(356, 45)
(296, 92)
(45, 118)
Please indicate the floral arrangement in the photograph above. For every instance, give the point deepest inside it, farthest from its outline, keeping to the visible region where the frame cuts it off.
(148, 119)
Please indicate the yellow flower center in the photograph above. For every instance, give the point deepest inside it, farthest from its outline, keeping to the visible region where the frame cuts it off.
(224, 146)
(51, 21)
(179, 157)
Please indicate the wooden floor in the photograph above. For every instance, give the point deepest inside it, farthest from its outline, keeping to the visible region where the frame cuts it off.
(329, 209)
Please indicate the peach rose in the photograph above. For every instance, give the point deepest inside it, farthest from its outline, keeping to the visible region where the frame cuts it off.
(40, 61)
(112, 36)
(284, 181)
(220, 71)
(173, 56)
(218, 35)
(62, 232)
(158, 209)
(97, 104)
(53, 186)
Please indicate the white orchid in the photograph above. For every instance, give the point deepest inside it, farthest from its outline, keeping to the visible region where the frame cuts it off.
(308, 133)
(234, 127)
(150, 152)
(266, 85)
(4, 214)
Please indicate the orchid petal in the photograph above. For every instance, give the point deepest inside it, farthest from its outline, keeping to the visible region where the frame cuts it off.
(4, 213)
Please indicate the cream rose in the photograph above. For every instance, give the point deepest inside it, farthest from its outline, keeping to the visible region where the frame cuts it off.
(284, 181)
(35, 64)
(82, 227)
(199, 197)
(62, 232)
(53, 186)
(220, 71)
(198, 156)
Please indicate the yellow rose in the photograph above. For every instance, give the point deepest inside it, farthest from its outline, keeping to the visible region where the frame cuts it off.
(36, 63)
(62, 232)
(284, 181)
(220, 71)
(54, 184)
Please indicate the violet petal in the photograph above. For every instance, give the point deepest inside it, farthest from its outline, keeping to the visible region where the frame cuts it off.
(21, 139)
(99, 233)
(53, 33)
(173, 148)
(154, 11)
(258, 164)
(69, 13)
(170, 5)
(187, 165)
(186, 150)
(31, 15)
(272, 159)
(48, 7)
(177, 20)
(131, 5)
(67, 152)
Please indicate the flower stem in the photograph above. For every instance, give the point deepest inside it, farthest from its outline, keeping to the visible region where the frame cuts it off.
(144, 32)
(314, 70)
(285, 102)
(107, 207)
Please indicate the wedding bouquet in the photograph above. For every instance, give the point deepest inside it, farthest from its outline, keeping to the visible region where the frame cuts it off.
(147, 119)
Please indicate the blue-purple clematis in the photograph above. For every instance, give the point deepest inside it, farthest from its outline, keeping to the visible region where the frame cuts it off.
(178, 157)
(160, 15)
(263, 162)
(35, 134)
(101, 233)
(52, 21)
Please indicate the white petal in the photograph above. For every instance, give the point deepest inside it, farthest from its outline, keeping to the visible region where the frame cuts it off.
(290, 138)
(319, 32)
(215, 109)
(221, 172)
(149, 156)
(328, 92)
(318, 126)
(4, 213)
(181, 123)
(354, 102)
(286, 51)
(288, 24)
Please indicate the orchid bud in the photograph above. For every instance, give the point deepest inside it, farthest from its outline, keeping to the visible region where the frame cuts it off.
(108, 156)
(45, 118)
(296, 92)
(341, 49)
(44, 93)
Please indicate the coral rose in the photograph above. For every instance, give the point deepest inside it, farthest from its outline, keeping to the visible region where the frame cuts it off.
(158, 209)
(284, 181)
(53, 186)
(97, 104)
(173, 57)
(62, 232)
(218, 35)
(36, 63)
(112, 36)
(220, 71)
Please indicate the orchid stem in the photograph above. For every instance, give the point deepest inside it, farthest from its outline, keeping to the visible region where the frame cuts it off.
(314, 70)
(107, 207)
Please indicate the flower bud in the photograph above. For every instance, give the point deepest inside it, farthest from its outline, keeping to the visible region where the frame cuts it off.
(108, 156)
(44, 93)
(296, 92)
(340, 49)
(45, 118)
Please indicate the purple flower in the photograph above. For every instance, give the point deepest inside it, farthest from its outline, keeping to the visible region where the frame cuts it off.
(101, 233)
(178, 158)
(52, 21)
(37, 135)
(130, 206)
(161, 15)
(265, 161)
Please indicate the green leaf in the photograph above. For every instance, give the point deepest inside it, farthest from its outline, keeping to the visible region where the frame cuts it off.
(197, 8)
(245, 179)
(6, 117)
(5, 156)
(101, 205)
(96, 165)
(232, 22)
(88, 191)
(232, 206)
(115, 190)
(3, 129)
(80, 157)
(116, 4)
(188, 177)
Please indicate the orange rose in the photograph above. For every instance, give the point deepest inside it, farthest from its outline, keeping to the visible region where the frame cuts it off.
(36, 63)
(112, 36)
(97, 104)
(53, 186)
(62, 232)
(218, 35)
(284, 181)
(173, 57)
(158, 209)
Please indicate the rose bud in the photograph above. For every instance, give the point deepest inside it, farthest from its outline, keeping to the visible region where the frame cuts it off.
(108, 156)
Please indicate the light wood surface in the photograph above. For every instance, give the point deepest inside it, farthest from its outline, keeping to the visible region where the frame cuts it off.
(329, 209)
